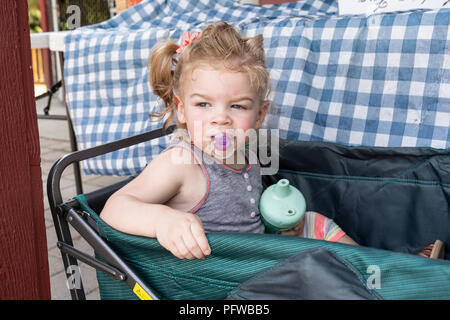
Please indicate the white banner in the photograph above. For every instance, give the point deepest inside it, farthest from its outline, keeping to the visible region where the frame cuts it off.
(348, 7)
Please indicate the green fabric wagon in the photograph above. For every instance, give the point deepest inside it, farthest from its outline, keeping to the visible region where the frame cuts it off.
(392, 201)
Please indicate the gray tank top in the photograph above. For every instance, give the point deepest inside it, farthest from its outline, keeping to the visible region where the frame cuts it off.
(231, 199)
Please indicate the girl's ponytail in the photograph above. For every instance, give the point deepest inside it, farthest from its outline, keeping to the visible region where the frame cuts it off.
(255, 46)
(162, 80)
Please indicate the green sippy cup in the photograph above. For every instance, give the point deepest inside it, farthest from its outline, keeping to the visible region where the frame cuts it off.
(281, 207)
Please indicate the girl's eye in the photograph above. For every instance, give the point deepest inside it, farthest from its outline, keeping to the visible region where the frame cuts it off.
(203, 104)
(238, 106)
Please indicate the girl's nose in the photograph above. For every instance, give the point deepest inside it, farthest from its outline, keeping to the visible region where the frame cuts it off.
(220, 117)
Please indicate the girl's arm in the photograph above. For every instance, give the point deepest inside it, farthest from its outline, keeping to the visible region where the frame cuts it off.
(347, 240)
(138, 207)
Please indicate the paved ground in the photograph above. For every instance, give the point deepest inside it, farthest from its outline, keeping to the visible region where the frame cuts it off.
(54, 141)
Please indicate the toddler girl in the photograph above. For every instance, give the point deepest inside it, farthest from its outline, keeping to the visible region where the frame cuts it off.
(218, 88)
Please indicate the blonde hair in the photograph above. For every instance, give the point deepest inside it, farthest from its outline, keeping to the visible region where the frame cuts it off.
(219, 43)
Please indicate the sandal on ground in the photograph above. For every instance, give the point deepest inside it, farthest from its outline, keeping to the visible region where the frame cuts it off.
(433, 251)
(438, 251)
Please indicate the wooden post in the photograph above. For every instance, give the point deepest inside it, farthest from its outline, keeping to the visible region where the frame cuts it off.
(46, 52)
(24, 272)
(121, 5)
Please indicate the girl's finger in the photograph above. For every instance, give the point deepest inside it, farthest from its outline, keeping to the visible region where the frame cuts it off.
(289, 233)
(175, 252)
(200, 238)
(183, 252)
(192, 246)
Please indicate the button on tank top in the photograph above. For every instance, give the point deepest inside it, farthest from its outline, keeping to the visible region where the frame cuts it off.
(231, 199)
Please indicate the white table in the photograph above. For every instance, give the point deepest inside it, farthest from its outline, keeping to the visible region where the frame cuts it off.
(48, 40)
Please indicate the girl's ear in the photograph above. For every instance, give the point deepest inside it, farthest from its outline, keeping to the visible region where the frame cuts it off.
(180, 109)
(262, 114)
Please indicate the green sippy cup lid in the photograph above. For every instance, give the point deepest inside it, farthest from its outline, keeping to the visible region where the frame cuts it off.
(282, 205)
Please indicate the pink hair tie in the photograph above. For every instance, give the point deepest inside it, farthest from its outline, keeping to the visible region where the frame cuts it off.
(186, 39)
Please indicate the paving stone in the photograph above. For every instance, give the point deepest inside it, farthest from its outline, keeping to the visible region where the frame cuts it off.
(54, 143)
(58, 287)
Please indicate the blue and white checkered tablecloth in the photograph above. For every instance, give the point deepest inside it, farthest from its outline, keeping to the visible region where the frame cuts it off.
(379, 80)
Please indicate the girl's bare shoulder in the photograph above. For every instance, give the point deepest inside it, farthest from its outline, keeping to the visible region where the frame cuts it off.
(176, 157)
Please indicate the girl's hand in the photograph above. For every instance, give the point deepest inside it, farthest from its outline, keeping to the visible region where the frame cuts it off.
(182, 234)
(295, 231)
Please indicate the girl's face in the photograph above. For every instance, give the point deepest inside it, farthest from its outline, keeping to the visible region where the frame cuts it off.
(215, 100)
